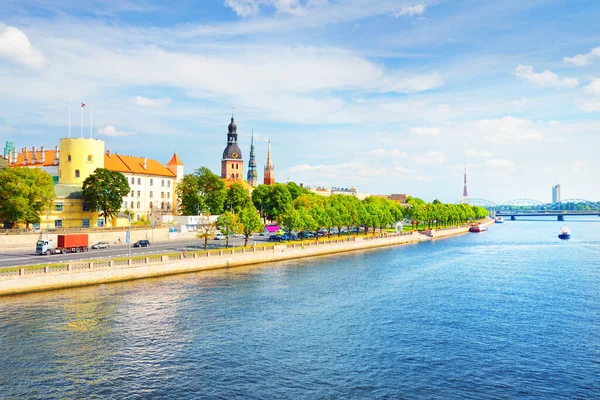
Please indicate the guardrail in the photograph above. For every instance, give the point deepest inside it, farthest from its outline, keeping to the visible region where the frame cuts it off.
(25, 271)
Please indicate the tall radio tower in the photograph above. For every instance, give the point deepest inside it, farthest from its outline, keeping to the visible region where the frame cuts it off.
(465, 198)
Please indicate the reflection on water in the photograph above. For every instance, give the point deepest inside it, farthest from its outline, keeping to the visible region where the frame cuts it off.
(509, 313)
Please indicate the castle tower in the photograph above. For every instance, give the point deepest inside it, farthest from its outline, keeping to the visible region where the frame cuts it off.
(232, 164)
(176, 167)
(269, 178)
(465, 198)
(252, 174)
(79, 158)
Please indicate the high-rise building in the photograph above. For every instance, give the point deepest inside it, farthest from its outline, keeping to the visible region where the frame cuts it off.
(556, 193)
(232, 164)
(269, 177)
(252, 174)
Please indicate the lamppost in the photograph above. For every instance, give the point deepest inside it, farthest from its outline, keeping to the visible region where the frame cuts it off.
(129, 235)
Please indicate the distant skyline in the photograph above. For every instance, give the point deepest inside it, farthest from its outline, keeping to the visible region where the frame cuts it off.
(387, 96)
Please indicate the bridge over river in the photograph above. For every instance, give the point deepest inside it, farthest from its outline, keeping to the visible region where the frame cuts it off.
(534, 208)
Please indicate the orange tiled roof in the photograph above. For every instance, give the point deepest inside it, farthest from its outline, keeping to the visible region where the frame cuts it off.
(135, 165)
(48, 162)
(230, 182)
(175, 160)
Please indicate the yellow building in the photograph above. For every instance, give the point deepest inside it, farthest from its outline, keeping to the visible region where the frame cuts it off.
(78, 159)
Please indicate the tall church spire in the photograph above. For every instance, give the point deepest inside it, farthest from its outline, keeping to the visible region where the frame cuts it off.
(252, 174)
(232, 164)
(269, 178)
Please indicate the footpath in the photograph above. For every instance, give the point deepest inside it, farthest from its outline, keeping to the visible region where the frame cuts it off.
(60, 276)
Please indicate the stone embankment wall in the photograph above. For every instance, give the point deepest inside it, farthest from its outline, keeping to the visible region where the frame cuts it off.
(87, 273)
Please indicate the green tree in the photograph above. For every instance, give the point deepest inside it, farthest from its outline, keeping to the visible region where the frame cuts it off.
(228, 224)
(306, 222)
(259, 198)
(25, 193)
(206, 230)
(188, 193)
(104, 190)
(237, 198)
(250, 221)
(212, 188)
(295, 190)
(279, 201)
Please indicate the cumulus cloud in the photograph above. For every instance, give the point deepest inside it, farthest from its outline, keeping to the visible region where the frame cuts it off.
(387, 153)
(15, 46)
(110, 130)
(417, 9)
(145, 101)
(545, 78)
(419, 130)
(475, 153)
(430, 158)
(593, 87)
(590, 106)
(581, 60)
(500, 163)
(246, 8)
(508, 130)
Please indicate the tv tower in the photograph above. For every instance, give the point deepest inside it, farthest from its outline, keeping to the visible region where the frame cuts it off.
(465, 198)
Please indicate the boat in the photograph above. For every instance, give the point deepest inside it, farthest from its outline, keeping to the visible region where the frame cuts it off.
(499, 220)
(564, 233)
(478, 228)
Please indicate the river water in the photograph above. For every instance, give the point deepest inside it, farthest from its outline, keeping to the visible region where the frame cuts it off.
(513, 312)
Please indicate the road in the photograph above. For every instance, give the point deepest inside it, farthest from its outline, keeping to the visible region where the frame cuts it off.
(10, 258)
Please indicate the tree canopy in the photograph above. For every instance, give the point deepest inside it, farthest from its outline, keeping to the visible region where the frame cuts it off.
(104, 190)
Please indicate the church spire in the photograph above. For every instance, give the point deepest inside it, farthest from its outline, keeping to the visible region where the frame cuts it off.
(269, 177)
(252, 174)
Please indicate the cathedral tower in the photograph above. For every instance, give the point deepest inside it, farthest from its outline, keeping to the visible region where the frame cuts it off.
(252, 174)
(269, 178)
(232, 165)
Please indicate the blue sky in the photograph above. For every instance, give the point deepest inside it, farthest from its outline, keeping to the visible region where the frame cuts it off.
(388, 96)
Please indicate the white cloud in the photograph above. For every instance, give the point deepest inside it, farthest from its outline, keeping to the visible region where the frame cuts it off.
(500, 163)
(430, 158)
(110, 130)
(593, 87)
(419, 130)
(519, 103)
(508, 130)
(421, 178)
(243, 8)
(581, 60)
(475, 153)
(15, 46)
(387, 153)
(546, 78)
(578, 166)
(417, 9)
(145, 101)
(246, 8)
(590, 106)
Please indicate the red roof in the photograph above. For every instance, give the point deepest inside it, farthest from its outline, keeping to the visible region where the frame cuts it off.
(135, 165)
(175, 160)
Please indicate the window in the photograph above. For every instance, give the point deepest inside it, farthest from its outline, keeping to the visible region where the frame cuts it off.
(132, 181)
(168, 183)
(133, 193)
(150, 206)
(168, 206)
(236, 166)
(58, 206)
(58, 223)
(85, 207)
(162, 195)
(85, 223)
(162, 206)
(168, 195)
(151, 194)
(69, 157)
(76, 173)
(90, 158)
(162, 182)
(232, 166)
(124, 204)
(132, 205)
(138, 194)
(139, 181)
(138, 205)
(100, 222)
(151, 182)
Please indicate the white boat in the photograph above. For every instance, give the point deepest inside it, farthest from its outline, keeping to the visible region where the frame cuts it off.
(564, 233)
(499, 220)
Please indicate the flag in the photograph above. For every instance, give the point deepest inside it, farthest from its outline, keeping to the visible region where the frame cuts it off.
(82, 105)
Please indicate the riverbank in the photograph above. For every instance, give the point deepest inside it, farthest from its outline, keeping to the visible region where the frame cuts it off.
(92, 273)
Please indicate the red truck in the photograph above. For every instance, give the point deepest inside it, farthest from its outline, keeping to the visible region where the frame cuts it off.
(73, 243)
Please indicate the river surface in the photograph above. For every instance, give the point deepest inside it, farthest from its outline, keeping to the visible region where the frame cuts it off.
(511, 313)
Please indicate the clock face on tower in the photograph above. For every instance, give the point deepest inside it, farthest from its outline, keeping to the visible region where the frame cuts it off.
(234, 155)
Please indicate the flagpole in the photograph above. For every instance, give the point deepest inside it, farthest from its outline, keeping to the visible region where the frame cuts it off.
(81, 119)
(90, 123)
(69, 121)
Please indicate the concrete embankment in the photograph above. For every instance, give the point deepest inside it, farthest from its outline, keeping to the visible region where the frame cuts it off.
(87, 273)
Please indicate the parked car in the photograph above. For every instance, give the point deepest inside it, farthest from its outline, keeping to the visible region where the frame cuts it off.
(219, 236)
(100, 245)
(276, 238)
(305, 235)
(142, 243)
(289, 236)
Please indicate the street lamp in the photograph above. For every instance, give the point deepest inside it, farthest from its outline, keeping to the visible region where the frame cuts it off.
(129, 235)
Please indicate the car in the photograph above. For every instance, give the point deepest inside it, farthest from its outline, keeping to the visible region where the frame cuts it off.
(289, 236)
(305, 235)
(100, 245)
(141, 243)
(219, 236)
(276, 238)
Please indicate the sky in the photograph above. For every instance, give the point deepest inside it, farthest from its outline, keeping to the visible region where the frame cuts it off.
(386, 96)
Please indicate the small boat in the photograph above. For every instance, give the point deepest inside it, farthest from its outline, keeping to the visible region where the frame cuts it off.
(478, 228)
(564, 233)
(499, 220)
